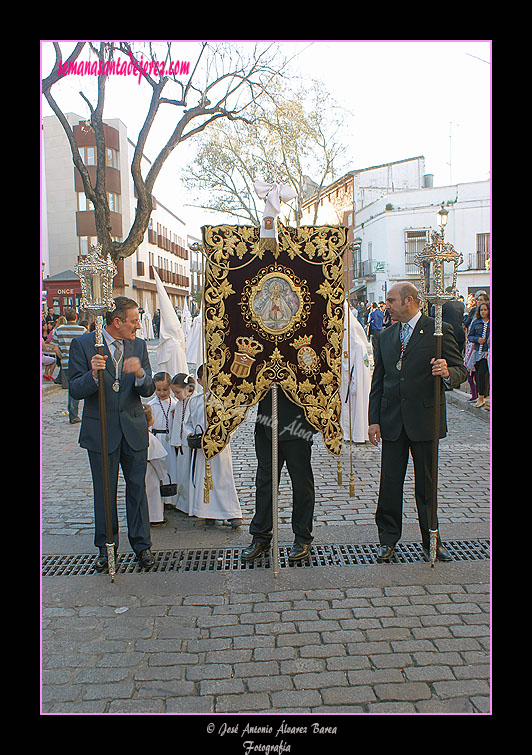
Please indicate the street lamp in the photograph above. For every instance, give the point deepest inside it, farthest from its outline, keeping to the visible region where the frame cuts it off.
(442, 217)
(438, 263)
(96, 276)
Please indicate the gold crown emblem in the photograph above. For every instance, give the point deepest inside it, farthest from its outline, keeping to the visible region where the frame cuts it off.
(297, 343)
(247, 345)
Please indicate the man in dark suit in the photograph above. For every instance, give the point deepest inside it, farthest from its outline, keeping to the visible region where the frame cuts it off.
(295, 445)
(401, 411)
(127, 377)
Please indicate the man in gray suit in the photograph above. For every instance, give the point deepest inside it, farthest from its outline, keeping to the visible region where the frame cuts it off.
(401, 410)
(127, 377)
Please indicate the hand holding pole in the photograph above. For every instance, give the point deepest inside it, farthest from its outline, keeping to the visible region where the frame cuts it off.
(96, 277)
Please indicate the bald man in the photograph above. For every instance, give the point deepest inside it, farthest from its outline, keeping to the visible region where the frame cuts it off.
(401, 411)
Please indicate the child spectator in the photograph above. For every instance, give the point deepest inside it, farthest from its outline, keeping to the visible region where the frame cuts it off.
(182, 386)
(155, 474)
(163, 405)
(223, 499)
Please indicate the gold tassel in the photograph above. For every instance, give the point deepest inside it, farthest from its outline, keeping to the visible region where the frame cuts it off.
(352, 485)
(269, 245)
(339, 471)
(207, 483)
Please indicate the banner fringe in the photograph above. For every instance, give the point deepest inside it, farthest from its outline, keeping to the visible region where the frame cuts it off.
(269, 245)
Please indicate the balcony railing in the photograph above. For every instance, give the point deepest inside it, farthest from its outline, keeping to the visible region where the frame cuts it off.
(169, 246)
(368, 268)
(174, 279)
(472, 261)
(477, 260)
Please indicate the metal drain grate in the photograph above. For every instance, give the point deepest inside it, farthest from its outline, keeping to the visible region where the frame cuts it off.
(229, 559)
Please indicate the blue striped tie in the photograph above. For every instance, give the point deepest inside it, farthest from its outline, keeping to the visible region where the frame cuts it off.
(405, 334)
(117, 346)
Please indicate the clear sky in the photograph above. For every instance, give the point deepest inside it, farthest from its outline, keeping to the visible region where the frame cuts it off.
(404, 98)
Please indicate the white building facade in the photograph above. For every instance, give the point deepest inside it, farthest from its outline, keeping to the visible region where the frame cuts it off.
(394, 228)
(340, 202)
(389, 210)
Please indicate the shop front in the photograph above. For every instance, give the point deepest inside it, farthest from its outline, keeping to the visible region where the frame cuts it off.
(63, 291)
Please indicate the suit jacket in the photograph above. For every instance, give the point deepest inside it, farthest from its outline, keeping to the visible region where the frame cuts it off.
(292, 424)
(123, 409)
(405, 398)
(453, 313)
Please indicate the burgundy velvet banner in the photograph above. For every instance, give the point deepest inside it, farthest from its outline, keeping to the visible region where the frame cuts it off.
(273, 315)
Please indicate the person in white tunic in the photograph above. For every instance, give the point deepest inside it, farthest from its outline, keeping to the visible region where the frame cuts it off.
(182, 386)
(171, 355)
(146, 324)
(155, 474)
(223, 499)
(356, 374)
(186, 321)
(163, 405)
(194, 342)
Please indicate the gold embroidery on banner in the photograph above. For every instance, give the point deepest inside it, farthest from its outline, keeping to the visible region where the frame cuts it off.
(244, 358)
(268, 305)
(275, 302)
(307, 359)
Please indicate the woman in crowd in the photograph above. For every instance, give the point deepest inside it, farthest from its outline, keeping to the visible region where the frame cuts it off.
(479, 336)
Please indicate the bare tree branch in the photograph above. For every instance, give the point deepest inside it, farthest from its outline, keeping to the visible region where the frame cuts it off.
(236, 82)
(291, 136)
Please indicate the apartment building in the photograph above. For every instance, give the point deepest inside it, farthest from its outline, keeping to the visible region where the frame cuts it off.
(69, 225)
(390, 210)
(391, 230)
(340, 201)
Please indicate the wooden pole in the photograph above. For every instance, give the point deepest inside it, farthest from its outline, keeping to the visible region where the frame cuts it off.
(433, 531)
(275, 479)
(110, 544)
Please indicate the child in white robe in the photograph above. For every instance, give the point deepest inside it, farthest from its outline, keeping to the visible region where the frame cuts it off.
(163, 405)
(155, 474)
(223, 499)
(182, 386)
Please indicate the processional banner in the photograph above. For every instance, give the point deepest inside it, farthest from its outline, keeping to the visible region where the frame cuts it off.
(273, 315)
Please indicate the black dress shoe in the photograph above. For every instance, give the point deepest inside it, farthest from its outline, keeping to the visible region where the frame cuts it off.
(299, 551)
(146, 558)
(385, 553)
(101, 561)
(256, 549)
(442, 554)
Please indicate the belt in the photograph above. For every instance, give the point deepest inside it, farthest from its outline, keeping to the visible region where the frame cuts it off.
(160, 431)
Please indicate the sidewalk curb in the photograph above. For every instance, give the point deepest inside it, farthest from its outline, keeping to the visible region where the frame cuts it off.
(48, 389)
(461, 399)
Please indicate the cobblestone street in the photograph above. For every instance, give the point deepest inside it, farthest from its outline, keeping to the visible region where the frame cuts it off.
(390, 638)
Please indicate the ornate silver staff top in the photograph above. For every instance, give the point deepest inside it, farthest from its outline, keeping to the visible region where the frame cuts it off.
(96, 276)
(438, 262)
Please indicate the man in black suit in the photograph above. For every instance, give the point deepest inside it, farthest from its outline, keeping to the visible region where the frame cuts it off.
(295, 445)
(127, 377)
(401, 410)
